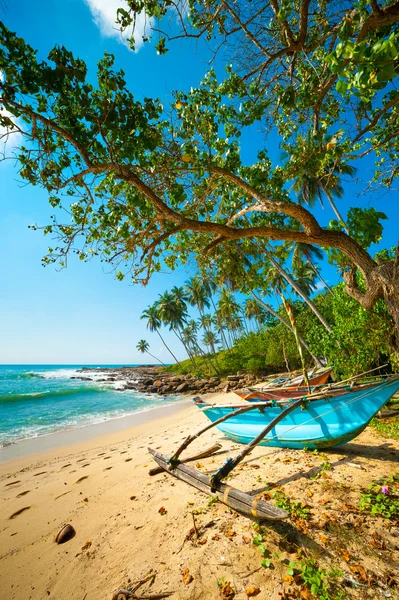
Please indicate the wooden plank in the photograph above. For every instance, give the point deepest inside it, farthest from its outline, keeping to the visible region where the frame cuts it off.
(239, 501)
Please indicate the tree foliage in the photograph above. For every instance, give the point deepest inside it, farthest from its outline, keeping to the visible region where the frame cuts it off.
(145, 185)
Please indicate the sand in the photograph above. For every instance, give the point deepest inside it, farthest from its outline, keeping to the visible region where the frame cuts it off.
(129, 524)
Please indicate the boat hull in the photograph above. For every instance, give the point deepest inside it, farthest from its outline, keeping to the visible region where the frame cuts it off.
(322, 424)
(291, 391)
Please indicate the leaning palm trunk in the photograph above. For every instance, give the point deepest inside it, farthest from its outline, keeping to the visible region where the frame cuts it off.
(206, 358)
(186, 347)
(337, 213)
(212, 347)
(286, 324)
(300, 293)
(160, 361)
(168, 349)
(316, 272)
(221, 331)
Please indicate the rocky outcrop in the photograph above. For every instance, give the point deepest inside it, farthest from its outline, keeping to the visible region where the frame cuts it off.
(152, 380)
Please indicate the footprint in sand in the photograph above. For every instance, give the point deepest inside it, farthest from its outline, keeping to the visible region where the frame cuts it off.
(65, 466)
(106, 457)
(64, 494)
(128, 459)
(82, 478)
(107, 468)
(101, 454)
(41, 473)
(20, 511)
(86, 465)
(124, 452)
(23, 493)
(13, 483)
(81, 459)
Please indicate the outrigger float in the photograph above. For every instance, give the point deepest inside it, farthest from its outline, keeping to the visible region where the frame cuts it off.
(321, 422)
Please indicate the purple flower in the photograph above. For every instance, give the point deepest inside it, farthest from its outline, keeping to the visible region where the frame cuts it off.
(385, 489)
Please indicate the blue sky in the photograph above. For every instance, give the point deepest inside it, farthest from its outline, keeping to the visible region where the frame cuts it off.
(82, 314)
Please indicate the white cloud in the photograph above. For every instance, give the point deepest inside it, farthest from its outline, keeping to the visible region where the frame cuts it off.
(104, 16)
(320, 285)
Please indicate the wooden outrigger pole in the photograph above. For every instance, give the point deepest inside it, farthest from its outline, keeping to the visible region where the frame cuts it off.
(213, 485)
(240, 501)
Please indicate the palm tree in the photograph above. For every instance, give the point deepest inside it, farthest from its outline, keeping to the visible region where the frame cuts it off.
(310, 185)
(307, 253)
(286, 324)
(210, 340)
(206, 322)
(228, 311)
(275, 279)
(210, 287)
(151, 313)
(305, 278)
(197, 293)
(143, 347)
(253, 310)
(172, 310)
(298, 290)
(190, 333)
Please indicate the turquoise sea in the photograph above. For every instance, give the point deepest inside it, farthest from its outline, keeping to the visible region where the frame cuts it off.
(36, 400)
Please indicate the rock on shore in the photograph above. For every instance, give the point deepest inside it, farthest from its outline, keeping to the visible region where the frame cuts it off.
(152, 380)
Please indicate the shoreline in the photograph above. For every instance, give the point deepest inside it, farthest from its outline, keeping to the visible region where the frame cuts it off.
(87, 433)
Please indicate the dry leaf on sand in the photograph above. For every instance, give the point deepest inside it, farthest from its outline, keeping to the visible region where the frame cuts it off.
(186, 576)
(252, 591)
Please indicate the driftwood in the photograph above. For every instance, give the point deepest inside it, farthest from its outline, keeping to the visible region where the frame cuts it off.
(128, 595)
(204, 454)
(239, 501)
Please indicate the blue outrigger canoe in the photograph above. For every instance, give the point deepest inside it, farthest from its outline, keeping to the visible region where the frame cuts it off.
(312, 423)
(319, 424)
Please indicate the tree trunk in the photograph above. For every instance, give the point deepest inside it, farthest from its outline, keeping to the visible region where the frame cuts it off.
(160, 361)
(337, 213)
(319, 276)
(284, 322)
(298, 290)
(382, 282)
(168, 349)
(186, 348)
(205, 357)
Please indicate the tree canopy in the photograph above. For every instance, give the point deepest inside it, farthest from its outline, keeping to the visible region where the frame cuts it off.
(145, 185)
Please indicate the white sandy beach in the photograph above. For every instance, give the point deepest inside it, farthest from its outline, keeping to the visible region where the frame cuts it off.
(129, 524)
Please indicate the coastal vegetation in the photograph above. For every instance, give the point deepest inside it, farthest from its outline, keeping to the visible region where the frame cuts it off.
(147, 186)
(238, 333)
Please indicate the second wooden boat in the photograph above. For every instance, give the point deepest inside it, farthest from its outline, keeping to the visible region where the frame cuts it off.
(291, 390)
